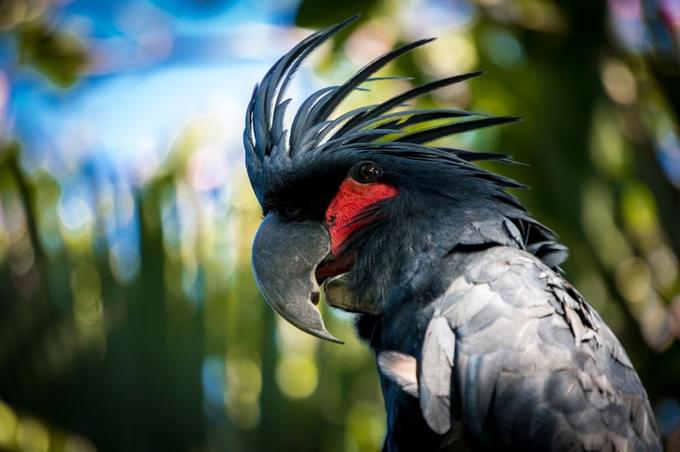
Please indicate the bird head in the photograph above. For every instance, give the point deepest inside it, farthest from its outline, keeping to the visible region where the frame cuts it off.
(359, 204)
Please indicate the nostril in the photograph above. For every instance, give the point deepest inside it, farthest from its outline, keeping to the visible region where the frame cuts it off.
(315, 297)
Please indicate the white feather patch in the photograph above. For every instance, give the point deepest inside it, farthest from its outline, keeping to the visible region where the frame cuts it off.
(400, 368)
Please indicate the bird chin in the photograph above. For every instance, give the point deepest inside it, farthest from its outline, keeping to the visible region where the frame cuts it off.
(338, 294)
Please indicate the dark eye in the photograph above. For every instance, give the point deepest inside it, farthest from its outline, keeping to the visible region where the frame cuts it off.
(366, 172)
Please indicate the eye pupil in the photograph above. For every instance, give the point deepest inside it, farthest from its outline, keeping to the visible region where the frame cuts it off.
(367, 172)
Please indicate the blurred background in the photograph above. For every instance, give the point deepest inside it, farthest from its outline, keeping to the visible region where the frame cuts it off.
(129, 320)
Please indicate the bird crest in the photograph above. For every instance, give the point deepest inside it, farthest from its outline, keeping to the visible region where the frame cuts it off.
(313, 130)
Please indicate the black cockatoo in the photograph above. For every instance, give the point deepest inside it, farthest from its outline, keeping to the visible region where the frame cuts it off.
(480, 342)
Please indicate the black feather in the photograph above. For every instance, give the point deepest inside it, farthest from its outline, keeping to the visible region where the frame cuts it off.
(428, 135)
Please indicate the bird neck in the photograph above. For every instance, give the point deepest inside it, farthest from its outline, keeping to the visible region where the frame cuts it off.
(408, 277)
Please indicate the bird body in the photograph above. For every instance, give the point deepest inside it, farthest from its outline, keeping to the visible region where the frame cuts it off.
(480, 342)
(508, 356)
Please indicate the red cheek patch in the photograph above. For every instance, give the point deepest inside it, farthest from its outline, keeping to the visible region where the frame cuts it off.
(352, 199)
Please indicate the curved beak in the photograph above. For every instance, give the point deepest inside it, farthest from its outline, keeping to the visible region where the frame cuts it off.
(285, 257)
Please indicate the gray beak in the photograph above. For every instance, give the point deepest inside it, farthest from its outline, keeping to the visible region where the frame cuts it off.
(285, 257)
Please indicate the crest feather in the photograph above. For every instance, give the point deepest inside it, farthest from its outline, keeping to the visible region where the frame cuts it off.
(312, 130)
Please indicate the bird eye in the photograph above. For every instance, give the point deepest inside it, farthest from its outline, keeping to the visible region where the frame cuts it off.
(366, 172)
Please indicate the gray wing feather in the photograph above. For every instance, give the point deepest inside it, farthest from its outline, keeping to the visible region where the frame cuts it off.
(429, 378)
(436, 365)
(535, 367)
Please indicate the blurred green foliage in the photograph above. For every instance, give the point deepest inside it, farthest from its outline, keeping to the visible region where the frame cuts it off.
(59, 56)
(188, 357)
